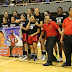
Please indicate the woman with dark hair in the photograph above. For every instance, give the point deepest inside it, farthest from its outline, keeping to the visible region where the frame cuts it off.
(6, 15)
(30, 11)
(5, 23)
(22, 22)
(15, 14)
(39, 23)
(13, 24)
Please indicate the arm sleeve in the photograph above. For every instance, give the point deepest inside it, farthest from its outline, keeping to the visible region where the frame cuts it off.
(55, 25)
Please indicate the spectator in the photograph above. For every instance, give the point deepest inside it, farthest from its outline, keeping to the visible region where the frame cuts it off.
(57, 0)
(12, 3)
(25, 2)
(20, 1)
(5, 3)
(16, 1)
(33, 1)
(48, 0)
(29, 1)
(38, 0)
(43, 0)
(1, 2)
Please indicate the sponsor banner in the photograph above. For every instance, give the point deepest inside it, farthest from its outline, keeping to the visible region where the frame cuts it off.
(12, 39)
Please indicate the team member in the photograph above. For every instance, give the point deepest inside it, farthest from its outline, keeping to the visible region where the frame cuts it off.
(23, 23)
(30, 12)
(7, 16)
(50, 27)
(39, 23)
(13, 24)
(33, 30)
(66, 29)
(15, 14)
(5, 23)
(59, 20)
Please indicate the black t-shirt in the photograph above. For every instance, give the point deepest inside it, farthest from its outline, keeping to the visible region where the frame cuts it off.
(39, 18)
(9, 20)
(59, 19)
(52, 18)
(24, 24)
(17, 18)
(4, 25)
(32, 28)
(13, 24)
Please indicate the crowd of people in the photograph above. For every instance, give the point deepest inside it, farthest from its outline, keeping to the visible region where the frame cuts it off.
(23, 2)
(37, 27)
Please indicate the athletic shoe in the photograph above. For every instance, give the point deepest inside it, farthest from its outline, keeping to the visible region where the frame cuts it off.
(60, 59)
(44, 57)
(21, 57)
(25, 57)
(40, 57)
(31, 58)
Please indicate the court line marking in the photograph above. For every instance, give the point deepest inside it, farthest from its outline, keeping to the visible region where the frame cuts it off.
(7, 62)
(32, 62)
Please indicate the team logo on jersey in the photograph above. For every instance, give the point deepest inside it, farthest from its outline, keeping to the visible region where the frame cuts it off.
(12, 25)
(37, 20)
(4, 26)
(21, 23)
(59, 19)
(31, 26)
(50, 27)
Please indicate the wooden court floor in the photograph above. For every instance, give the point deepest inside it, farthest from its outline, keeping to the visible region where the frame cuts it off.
(18, 65)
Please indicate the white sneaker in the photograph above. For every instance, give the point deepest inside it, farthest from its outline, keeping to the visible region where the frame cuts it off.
(60, 59)
(44, 57)
(40, 57)
(25, 57)
(21, 57)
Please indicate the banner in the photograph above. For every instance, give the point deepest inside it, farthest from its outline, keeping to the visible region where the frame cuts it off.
(12, 42)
